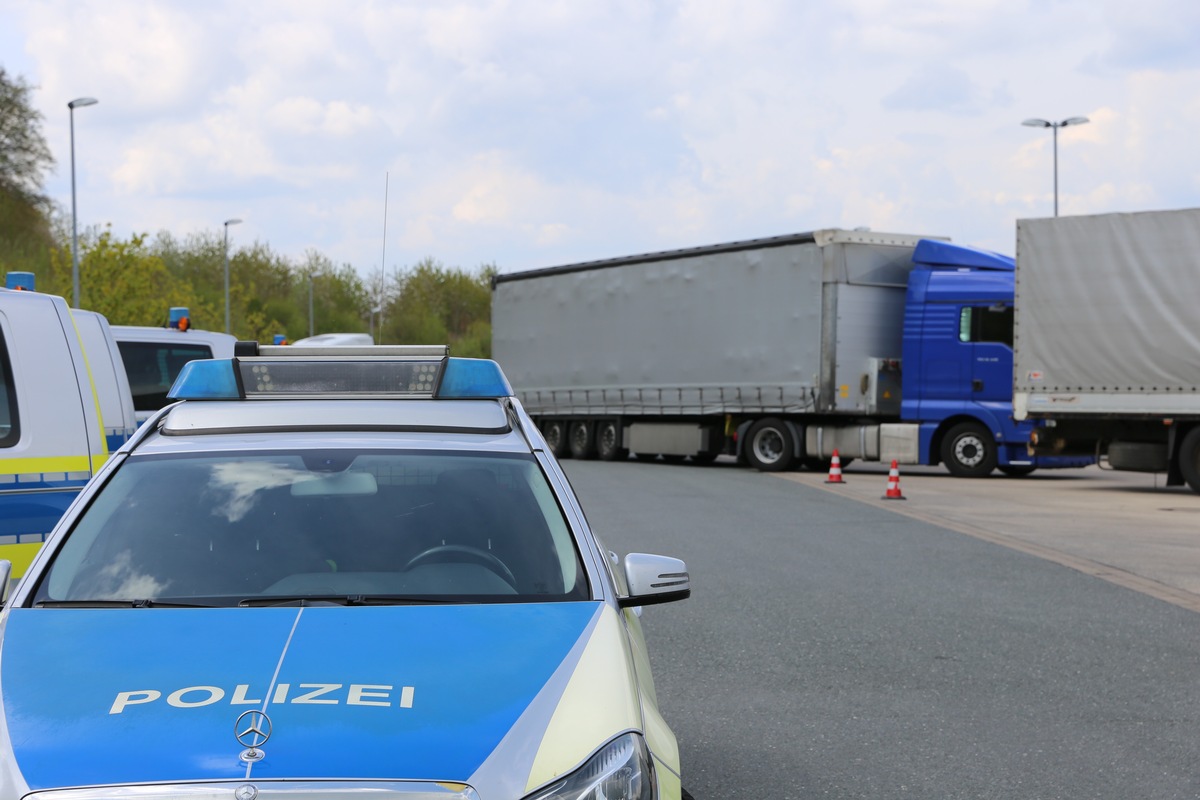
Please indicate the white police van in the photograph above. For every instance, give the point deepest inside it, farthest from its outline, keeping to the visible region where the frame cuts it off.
(108, 376)
(331, 574)
(153, 357)
(336, 340)
(64, 406)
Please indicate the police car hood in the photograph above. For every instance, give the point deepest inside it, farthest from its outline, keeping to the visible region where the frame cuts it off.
(503, 696)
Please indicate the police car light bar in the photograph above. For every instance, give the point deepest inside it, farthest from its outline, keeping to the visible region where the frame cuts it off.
(345, 376)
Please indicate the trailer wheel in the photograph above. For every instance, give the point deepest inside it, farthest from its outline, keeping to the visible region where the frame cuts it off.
(582, 440)
(769, 446)
(554, 431)
(969, 451)
(1189, 458)
(608, 441)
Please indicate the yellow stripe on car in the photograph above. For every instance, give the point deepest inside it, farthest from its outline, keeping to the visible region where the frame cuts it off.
(597, 704)
(54, 464)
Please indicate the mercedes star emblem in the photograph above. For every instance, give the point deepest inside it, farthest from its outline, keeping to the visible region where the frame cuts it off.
(247, 791)
(252, 729)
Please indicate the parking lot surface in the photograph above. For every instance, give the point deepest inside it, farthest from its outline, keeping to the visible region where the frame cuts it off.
(1126, 528)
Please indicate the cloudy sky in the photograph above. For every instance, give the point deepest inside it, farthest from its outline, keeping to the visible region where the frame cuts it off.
(531, 133)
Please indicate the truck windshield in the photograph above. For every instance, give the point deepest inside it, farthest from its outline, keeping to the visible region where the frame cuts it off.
(247, 527)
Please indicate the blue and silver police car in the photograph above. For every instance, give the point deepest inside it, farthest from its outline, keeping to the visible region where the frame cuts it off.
(350, 574)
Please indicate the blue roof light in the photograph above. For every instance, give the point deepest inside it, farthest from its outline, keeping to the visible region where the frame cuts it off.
(22, 281)
(208, 379)
(279, 377)
(473, 377)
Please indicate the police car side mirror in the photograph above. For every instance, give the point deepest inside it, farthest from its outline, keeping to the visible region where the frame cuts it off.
(654, 579)
(5, 577)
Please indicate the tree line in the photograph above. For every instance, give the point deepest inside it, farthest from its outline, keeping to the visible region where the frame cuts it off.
(135, 280)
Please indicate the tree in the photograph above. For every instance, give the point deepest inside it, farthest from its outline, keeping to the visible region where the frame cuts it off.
(340, 299)
(124, 281)
(437, 305)
(25, 231)
(24, 154)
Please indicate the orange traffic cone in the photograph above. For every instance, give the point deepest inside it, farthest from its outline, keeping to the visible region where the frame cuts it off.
(893, 485)
(835, 469)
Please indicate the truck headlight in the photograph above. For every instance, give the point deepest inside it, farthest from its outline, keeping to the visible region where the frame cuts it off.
(621, 770)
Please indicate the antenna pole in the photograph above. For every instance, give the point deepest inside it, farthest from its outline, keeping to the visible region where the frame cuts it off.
(383, 260)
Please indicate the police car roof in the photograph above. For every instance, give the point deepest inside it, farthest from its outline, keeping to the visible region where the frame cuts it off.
(137, 333)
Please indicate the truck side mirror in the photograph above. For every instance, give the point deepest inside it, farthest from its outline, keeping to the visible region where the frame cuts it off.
(654, 579)
(5, 577)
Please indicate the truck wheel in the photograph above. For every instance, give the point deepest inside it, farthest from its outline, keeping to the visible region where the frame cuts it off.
(769, 446)
(581, 437)
(969, 451)
(554, 431)
(608, 437)
(1189, 459)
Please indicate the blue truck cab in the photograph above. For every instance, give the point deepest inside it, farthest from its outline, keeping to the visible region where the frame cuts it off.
(958, 363)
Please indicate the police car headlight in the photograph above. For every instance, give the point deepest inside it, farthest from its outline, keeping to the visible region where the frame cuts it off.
(621, 770)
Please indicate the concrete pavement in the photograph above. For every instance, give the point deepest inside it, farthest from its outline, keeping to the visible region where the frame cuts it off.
(1126, 528)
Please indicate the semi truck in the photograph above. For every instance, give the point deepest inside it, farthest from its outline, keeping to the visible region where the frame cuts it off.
(1107, 339)
(780, 351)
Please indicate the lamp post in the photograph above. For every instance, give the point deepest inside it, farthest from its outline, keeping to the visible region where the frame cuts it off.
(1054, 126)
(78, 102)
(228, 222)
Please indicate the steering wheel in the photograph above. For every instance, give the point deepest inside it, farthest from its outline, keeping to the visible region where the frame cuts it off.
(462, 552)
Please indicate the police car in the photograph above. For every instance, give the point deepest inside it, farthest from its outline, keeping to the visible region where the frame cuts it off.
(333, 574)
(64, 406)
(154, 357)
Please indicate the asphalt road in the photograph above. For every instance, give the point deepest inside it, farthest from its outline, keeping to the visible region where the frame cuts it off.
(834, 647)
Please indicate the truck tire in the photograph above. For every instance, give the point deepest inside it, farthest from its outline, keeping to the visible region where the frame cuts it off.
(608, 441)
(554, 431)
(1189, 459)
(969, 451)
(581, 437)
(769, 446)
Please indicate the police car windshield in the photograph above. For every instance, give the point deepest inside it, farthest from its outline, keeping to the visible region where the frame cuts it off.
(370, 526)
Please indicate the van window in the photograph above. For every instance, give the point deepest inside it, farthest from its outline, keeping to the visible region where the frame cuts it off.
(153, 366)
(10, 430)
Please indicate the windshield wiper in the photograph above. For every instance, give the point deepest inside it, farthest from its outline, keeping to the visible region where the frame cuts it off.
(142, 603)
(347, 600)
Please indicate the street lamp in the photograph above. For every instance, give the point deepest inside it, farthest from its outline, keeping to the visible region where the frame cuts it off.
(228, 222)
(78, 102)
(1054, 126)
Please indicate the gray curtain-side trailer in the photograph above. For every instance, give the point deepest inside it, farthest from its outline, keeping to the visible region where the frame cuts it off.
(1107, 339)
(790, 342)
